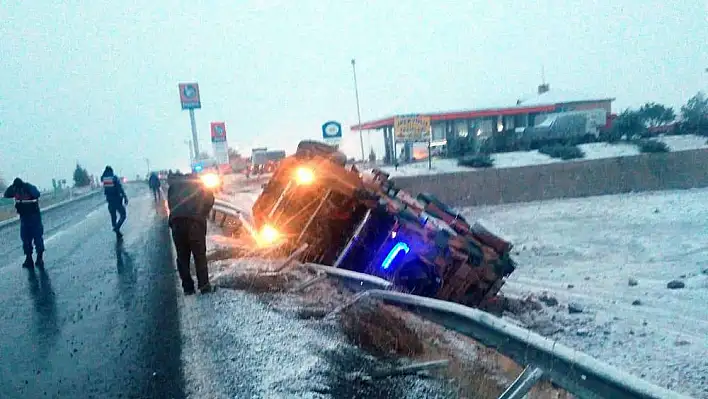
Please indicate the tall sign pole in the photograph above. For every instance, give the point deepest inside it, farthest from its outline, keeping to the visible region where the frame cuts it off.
(358, 111)
(195, 140)
(189, 97)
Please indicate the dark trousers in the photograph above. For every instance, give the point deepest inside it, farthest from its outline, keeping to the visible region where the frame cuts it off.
(189, 237)
(32, 231)
(119, 209)
(156, 193)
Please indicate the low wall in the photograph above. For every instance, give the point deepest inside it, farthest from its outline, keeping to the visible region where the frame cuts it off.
(644, 172)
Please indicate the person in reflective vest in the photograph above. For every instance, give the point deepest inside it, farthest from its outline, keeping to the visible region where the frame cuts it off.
(31, 229)
(116, 198)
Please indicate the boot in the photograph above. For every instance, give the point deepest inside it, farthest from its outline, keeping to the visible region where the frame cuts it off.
(40, 259)
(29, 263)
(207, 288)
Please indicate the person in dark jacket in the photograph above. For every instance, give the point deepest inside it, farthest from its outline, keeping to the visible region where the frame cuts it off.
(116, 198)
(154, 183)
(190, 204)
(31, 229)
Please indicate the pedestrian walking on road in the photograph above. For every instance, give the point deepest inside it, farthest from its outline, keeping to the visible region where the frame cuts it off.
(31, 229)
(190, 204)
(154, 183)
(116, 198)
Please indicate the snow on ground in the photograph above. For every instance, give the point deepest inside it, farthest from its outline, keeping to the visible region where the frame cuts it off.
(526, 158)
(606, 150)
(685, 142)
(585, 251)
(235, 345)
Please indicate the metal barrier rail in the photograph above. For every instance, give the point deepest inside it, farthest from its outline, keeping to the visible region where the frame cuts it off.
(71, 198)
(576, 372)
(227, 210)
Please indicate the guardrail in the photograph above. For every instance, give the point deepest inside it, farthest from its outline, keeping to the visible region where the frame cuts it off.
(9, 222)
(576, 372)
(223, 211)
(544, 359)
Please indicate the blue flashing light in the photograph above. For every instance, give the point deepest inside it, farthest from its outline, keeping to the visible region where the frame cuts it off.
(400, 246)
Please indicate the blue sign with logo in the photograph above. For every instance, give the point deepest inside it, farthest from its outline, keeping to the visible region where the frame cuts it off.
(332, 131)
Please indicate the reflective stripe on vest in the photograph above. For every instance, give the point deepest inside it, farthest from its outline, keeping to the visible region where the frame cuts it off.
(26, 201)
(108, 182)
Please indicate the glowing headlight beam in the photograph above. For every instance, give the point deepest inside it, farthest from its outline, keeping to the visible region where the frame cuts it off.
(211, 180)
(268, 235)
(304, 176)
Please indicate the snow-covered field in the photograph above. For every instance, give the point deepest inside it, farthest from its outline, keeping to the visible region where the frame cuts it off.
(586, 251)
(526, 158)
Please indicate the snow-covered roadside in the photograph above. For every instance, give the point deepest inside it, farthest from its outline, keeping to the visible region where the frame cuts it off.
(613, 257)
(237, 345)
(527, 158)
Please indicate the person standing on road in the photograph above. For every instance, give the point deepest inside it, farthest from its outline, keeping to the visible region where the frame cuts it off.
(190, 204)
(31, 229)
(116, 198)
(154, 183)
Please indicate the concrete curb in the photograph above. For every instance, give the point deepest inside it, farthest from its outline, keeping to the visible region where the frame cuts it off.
(10, 222)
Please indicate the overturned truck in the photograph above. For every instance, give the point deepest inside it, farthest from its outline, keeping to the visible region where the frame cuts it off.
(362, 222)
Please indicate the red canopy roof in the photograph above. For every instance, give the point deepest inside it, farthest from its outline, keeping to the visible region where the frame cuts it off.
(470, 114)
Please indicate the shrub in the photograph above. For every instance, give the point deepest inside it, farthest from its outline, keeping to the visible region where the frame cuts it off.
(652, 146)
(476, 161)
(562, 151)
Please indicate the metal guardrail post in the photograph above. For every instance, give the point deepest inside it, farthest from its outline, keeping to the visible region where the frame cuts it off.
(523, 383)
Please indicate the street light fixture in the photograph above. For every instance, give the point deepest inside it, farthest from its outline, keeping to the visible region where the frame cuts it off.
(358, 111)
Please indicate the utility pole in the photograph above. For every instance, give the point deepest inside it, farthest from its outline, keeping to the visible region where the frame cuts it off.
(358, 111)
(191, 153)
(147, 161)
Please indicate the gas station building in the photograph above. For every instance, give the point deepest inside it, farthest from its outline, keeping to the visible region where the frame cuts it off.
(475, 124)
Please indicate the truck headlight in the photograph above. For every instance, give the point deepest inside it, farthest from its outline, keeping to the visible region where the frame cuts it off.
(268, 235)
(211, 180)
(304, 176)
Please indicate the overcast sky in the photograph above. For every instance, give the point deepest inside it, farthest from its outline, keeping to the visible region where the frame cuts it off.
(96, 82)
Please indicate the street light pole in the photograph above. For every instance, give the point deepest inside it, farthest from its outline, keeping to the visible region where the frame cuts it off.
(191, 153)
(358, 111)
(147, 161)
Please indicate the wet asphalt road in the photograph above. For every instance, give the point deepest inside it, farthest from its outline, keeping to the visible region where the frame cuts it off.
(101, 320)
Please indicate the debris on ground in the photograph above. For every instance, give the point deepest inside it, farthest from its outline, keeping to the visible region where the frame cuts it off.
(633, 282)
(675, 284)
(574, 308)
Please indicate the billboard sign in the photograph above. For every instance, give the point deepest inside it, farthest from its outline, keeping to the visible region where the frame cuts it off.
(332, 132)
(189, 95)
(411, 128)
(218, 132)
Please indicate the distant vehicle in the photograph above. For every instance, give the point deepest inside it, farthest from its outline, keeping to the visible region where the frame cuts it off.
(264, 161)
(566, 127)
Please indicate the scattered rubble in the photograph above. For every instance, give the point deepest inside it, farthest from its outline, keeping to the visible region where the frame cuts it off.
(675, 284)
(636, 302)
(632, 282)
(574, 308)
(548, 300)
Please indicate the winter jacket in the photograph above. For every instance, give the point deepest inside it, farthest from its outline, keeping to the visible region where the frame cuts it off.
(187, 198)
(113, 189)
(154, 181)
(26, 199)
